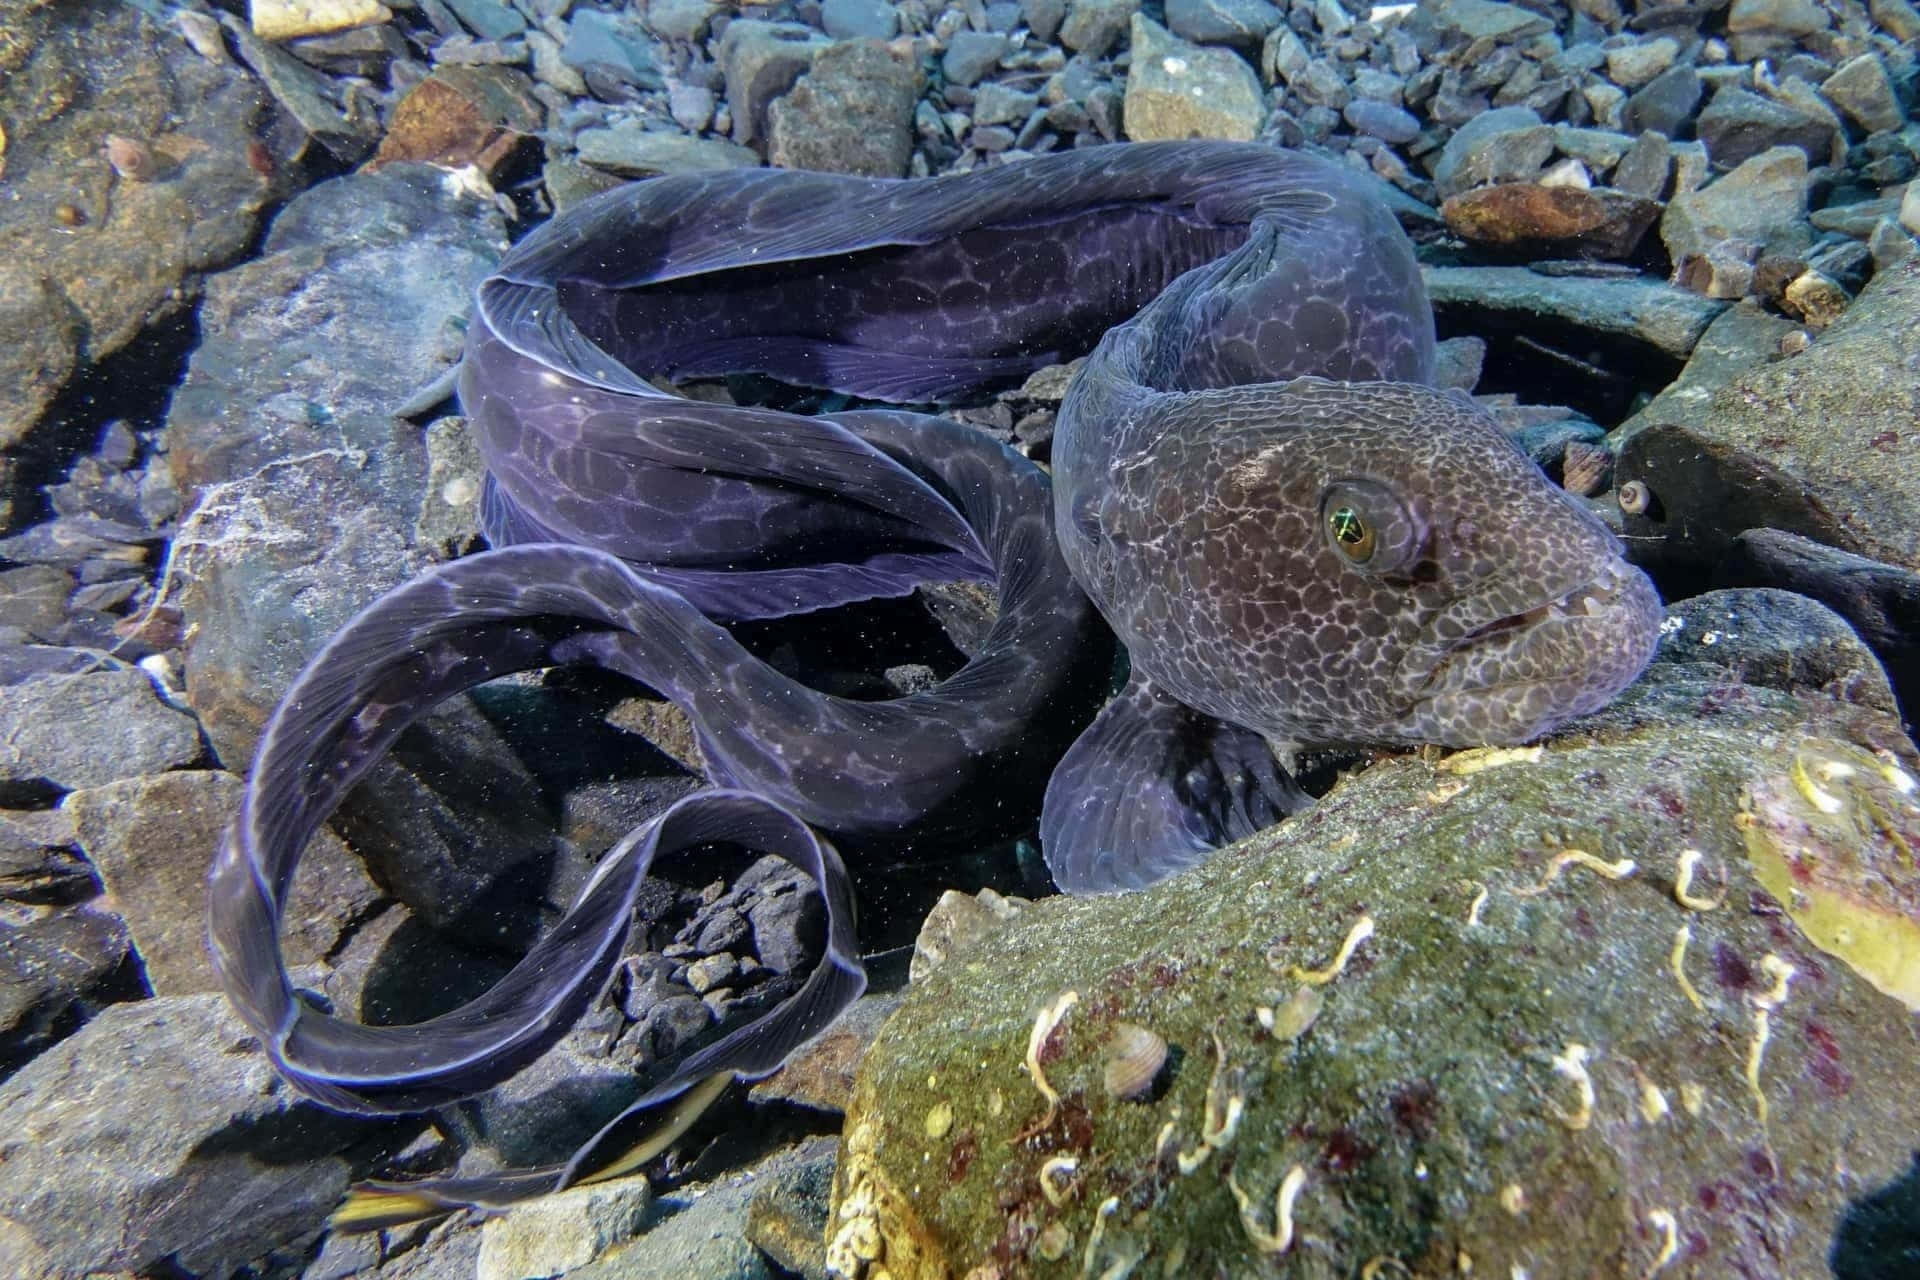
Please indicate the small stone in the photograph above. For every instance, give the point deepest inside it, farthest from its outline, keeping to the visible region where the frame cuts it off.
(971, 55)
(762, 61)
(1092, 27)
(1631, 66)
(1910, 208)
(1665, 103)
(1890, 244)
(847, 19)
(1719, 271)
(1509, 144)
(562, 1232)
(711, 972)
(1646, 167)
(690, 105)
(1900, 19)
(1567, 173)
(852, 112)
(1382, 120)
(1789, 17)
(287, 19)
(1002, 104)
(681, 19)
(602, 44)
(1816, 298)
(1237, 22)
(632, 151)
(1180, 90)
(1862, 89)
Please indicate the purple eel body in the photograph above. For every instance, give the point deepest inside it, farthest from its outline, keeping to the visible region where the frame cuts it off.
(1297, 537)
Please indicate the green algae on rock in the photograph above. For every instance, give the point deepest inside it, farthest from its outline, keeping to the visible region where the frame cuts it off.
(1582, 1036)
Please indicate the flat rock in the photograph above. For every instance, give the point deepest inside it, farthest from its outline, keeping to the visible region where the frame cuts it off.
(559, 1233)
(1181, 90)
(1861, 87)
(1507, 1069)
(1645, 310)
(1554, 221)
(57, 969)
(1464, 21)
(762, 60)
(635, 152)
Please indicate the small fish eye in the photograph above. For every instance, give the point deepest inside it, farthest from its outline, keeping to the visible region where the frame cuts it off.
(1352, 536)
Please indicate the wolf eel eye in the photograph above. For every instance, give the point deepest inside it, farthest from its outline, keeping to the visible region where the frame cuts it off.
(1369, 527)
(1352, 536)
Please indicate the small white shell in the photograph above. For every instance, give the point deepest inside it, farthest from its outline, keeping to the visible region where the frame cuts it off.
(1132, 1060)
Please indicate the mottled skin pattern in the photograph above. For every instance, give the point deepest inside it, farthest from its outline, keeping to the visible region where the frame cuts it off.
(1220, 463)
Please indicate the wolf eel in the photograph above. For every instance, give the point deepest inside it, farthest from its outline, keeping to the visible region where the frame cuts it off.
(1297, 537)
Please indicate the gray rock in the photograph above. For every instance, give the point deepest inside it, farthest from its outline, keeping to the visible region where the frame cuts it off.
(1665, 103)
(847, 19)
(971, 55)
(1465, 21)
(1646, 168)
(1891, 244)
(1599, 149)
(1508, 144)
(1660, 315)
(1861, 88)
(157, 1137)
(1237, 22)
(634, 151)
(681, 19)
(1738, 125)
(1762, 202)
(1901, 20)
(39, 859)
(1000, 104)
(1632, 65)
(57, 969)
(1044, 17)
(70, 297)
(1739, 338)
(152, 839)
(1818, 445)
(558, 1234)
(852, 112)
(1092, 27)
(1382, 120)
(1180, 90)
(388, 262)
(494, 20)
(65, 732)
(787, 1217)
(1320, 84)
(33, 598)
(601, 44)
(762, 61)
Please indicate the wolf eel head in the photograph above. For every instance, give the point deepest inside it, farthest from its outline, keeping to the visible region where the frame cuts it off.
(1359, 563)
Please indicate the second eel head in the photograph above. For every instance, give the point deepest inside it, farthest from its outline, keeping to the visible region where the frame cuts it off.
(1359, 563)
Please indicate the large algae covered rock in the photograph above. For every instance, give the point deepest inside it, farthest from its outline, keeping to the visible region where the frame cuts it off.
(1642, 1003)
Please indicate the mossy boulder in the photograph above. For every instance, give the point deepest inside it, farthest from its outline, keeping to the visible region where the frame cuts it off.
(1555, 1054)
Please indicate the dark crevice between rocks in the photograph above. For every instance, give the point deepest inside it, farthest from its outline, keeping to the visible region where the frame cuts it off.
(1878, 1237)
(1542, 362)
(135, 383)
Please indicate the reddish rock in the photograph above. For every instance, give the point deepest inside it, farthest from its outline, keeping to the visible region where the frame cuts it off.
(459, 116)
(1596, 222)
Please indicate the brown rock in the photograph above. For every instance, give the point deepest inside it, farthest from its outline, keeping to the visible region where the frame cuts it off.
(1593, 222)
(459, 116)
